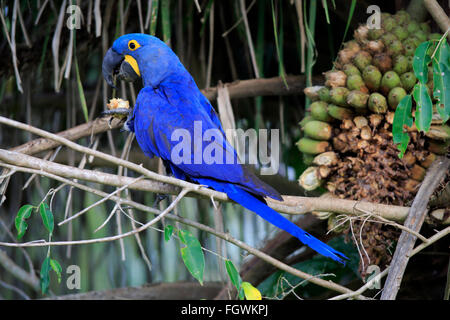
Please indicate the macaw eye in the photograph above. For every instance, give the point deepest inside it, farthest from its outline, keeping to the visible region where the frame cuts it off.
(133, 45)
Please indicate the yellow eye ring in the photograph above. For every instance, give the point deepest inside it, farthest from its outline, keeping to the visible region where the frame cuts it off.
(133, 45)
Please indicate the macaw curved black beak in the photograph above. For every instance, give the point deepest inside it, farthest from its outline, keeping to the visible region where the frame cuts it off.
(110, 66)
(116, 64)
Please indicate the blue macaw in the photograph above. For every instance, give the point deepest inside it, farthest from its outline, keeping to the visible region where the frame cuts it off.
(171, 100)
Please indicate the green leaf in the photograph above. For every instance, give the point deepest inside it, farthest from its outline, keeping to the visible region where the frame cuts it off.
(421, 60)
(168, 231)
(325, 8)
(23, 214)
(45, 277)
(443, 53)
(441, 79)
(349, 18)
(206, 14)
(192, 255)
(251, 293)
(47, 217)
(424, 107)
(402, 118)
(57, 268)
(234, 277)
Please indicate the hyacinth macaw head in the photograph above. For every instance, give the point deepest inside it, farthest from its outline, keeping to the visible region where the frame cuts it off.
(137, 55)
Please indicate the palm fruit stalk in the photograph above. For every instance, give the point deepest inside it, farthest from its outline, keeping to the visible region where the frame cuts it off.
(347, 136)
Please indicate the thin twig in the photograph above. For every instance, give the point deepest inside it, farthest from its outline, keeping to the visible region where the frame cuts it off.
(238, 22)
(100, 201)
(249, 38)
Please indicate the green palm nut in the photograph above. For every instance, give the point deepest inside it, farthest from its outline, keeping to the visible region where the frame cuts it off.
(400, 32)
(372, 77)
(434, 36)
(356, 82)
(385, 15)
(357, 99)
(377, 103)
(362, 59)
(310, 146)
(409, 47)
(324, 94)
(410, 62)
(402, 16)
(339, 96)
(408, 80)
(375, 34)
(319, 111)
(389, 81)
(422, 36)
(389, 24)
(412, 27)
(410, 41)
(395, 48)
(339, 113)
(387, 38)
(350, 69)
(416, 41)
(401, 64)
(305, 120)
(395, 95)
(318, 130)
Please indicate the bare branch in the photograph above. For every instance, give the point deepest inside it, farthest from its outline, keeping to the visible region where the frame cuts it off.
(438, 15)
(290, 205)
(18, 272)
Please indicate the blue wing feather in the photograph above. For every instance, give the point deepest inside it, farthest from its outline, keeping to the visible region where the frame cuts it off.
(160, 111)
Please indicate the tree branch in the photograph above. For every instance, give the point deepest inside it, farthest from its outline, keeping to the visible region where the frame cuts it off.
(159, 291)
(438, 15)
(263, 87)
(90, 128)
(291, 204)
(18, 272)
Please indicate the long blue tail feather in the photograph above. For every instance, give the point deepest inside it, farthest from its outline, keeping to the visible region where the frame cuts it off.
(252, 203)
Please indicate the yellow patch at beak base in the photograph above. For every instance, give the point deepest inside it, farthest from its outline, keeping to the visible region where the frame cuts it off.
(133, 63)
